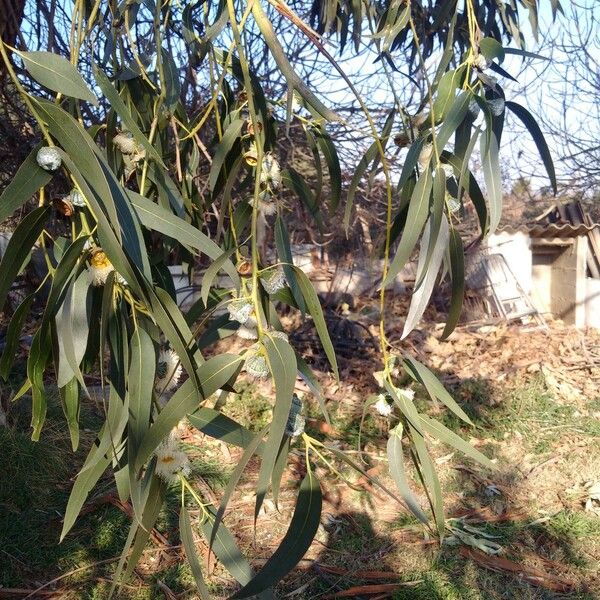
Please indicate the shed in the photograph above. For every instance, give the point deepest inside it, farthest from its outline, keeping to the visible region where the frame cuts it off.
(555, 265)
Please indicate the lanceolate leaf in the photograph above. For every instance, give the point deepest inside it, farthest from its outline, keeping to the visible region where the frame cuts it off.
(13, 334)
(441, 432)
(453, 119)
(538, 137)
(427, 272)
(314, 308)
(72, 324)
(69, 395)
(57, 74)
(398, 472)
(415, 219)
(213, 271)
(282, 242)
(282, 363)
(230, 136)
(223, 428)
(493, 182)
(187, 539)
(83, 485)
(419, 372)
(457, 270)
(226, 549)
(140, 385)
(333, 164)
(429, 477)
(27, 181)
(297, 540)
(19, 247)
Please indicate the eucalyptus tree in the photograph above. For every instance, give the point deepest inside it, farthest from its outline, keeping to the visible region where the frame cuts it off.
(164, 122)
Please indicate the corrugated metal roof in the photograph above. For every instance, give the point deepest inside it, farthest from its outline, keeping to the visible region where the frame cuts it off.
(550, 230)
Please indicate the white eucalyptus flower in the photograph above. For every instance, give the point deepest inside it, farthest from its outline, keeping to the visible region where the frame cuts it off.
(99, 268)
(240, 309)
(480, 62)
(247, 332)
(270, 174)
(408, 393)
(168, 371)
(49, 158)
(266, 204)
(382, 406)
(76, 198)
(171, 462)
(256, 365)
(453, 203)
(273, 280)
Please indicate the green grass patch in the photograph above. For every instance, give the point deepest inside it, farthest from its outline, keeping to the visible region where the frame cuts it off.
(248, 407)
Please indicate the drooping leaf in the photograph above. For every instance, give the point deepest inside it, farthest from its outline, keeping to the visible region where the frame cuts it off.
(428, 273)
(420, 373)
(415, 219)
(313, 306)
(187, 539)
(538, 137)
(441, 432)
(29, 178)
(231, 135)
(13, 334)
(282, 364)
(457, 270)
(493, 181)
(398, 472)
(19, 248)
(221, 427)
(213, 374)
(297, 540)
(57, 74)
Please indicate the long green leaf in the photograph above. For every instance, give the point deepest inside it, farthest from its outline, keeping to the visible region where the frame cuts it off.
(221, 427)
(442, 433)
(13, 334)
(57, 74)
(538, 137)
(420, 373)
(457, 269)
(398, 473)
(415, 219)
(296, 542)
(493, 181)
(187, 539)
(316, 312)
(29, 178)
(427, 272)
(282, 364)
(231, 135)
(429, 478)
(19, 247)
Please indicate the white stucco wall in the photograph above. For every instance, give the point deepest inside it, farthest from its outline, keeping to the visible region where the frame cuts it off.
(516, 249)
(592, 303)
